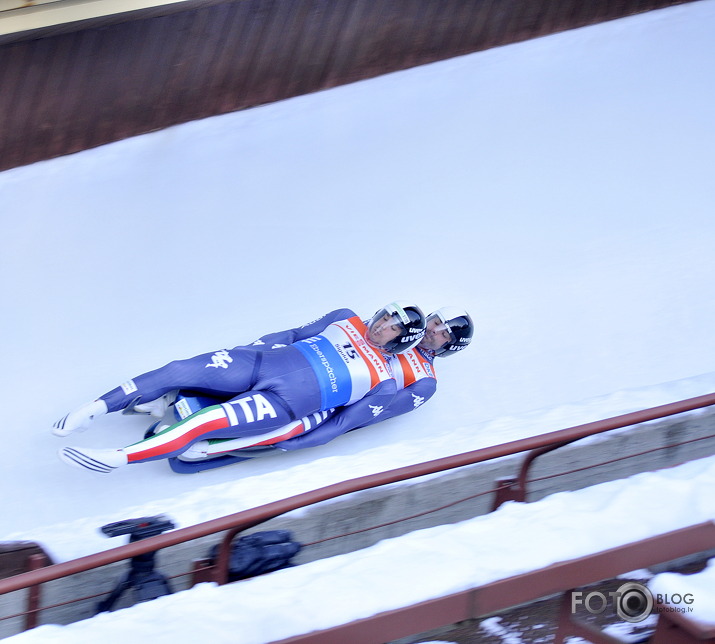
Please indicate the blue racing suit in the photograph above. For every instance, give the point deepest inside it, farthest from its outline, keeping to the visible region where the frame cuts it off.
(414, 373)
(416, 383)
(325, 364)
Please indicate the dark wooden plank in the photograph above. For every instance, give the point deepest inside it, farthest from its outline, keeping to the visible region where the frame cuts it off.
(74, 87)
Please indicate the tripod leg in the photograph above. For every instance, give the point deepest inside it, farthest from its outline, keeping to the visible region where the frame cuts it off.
(107, 604)
(151, 586)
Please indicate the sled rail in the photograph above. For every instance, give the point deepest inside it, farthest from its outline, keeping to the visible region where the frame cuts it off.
(234, 523)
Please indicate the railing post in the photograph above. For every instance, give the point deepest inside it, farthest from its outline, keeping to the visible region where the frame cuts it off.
(223, 557)
(34, 562)
(514, 489)
(508, 489)
(202, 570)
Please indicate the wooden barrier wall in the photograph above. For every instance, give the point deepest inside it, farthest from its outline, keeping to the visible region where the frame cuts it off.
(73, 87)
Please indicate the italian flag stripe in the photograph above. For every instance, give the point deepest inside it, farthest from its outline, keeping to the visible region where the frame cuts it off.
(178, 436)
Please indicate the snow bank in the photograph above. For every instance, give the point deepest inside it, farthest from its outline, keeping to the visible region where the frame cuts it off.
(422, 565)
(691, 595)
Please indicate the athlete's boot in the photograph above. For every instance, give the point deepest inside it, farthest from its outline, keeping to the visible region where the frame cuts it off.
(94, 460)
(79, 419)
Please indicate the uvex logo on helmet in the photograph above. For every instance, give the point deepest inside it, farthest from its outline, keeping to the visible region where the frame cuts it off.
(460, 327)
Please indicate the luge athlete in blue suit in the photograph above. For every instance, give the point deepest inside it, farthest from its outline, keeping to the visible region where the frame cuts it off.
(343, 363)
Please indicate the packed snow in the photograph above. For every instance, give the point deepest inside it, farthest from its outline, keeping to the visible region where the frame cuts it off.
(558, 189)
(685, 594)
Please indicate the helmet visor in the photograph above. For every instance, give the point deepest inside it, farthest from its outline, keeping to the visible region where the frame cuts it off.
(384, 328)
(438, 333)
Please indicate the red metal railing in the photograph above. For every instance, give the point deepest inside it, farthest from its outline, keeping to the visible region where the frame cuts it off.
(557, 579)
(235, 523)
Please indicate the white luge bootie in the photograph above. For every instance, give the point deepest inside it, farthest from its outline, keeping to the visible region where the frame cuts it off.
(196, 451)
(79, 419)
(94, 460)
(157, 408)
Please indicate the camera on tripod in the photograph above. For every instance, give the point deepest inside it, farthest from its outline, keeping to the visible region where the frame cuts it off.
(146, 582)
(137, 529)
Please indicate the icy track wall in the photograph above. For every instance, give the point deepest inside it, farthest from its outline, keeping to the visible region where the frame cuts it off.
(362, 519)
(70, 86)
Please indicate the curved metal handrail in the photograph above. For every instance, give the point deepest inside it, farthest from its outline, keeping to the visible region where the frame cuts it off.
(248, 518)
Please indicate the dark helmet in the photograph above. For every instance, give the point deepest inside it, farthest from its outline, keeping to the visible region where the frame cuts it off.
(406, 317)
(459, 326)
